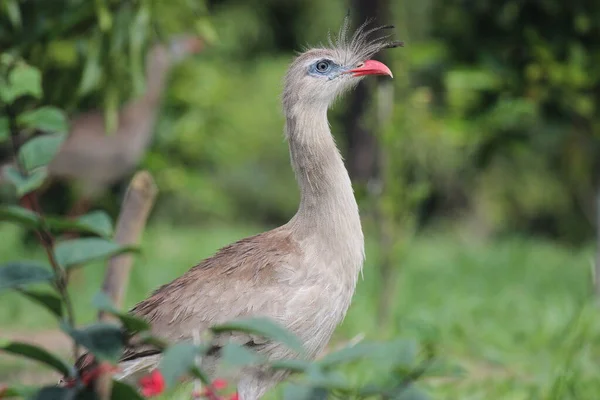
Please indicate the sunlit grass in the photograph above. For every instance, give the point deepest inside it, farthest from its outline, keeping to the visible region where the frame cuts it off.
(516, 314)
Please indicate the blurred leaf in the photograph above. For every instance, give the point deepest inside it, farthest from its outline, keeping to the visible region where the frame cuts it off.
(18, 391)
(18, 273)
(14, 13)
(51, 301)
(25, 184)
(103, 14)
(410, 393)
(92, 71)
(176, 362)
(397, 352)
(132, 324)
(22, 80)
(97, 221)
(103, 340)
(19, 215)
(39, 151)
(263, 327)
(36, 353)
(46, 119)
(294, 391)
(206, 30)
(294, 365)
(235, 355)
(123, 391)
(4, 129)
(54, 393)
(74, 252)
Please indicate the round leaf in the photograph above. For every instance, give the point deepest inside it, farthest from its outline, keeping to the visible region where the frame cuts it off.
(75, 252)
(49, 300)
(20, 216)
(103, 340)
(263, 327)
(46, 119)
(20, 273)
(25, 184)
(177, 361)
(39, 151)
(38, 354)
(132, 324)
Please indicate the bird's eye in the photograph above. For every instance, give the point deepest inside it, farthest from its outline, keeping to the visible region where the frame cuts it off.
(323, 66)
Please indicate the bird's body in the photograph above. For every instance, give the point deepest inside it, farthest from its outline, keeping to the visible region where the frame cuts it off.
(303, 274)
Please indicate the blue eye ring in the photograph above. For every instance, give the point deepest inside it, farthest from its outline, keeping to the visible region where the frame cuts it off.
(323, 66)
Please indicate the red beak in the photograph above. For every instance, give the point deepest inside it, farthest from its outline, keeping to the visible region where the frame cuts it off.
(371, 67)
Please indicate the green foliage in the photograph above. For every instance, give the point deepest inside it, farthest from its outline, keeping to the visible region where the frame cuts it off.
(105, 341)
(19, 273)
(71, 253)
(132, 324)
(38, 354)
(262, 327)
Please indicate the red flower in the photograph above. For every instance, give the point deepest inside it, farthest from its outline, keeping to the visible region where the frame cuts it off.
(234, 396)
(219, 384)
(152, 384)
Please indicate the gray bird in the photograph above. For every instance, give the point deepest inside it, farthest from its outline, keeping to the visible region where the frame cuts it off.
(303, 274)
(94, 159)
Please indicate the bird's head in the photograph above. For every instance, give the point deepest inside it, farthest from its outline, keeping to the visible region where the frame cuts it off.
(320, 75)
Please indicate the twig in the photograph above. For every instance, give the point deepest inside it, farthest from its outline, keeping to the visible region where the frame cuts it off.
(43, 233)
(135, 210)
(136, 207)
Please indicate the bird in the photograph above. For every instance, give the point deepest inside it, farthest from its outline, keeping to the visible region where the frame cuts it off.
(94, 159)
(303, 274)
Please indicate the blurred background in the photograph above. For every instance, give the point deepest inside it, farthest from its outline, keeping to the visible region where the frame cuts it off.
(475, 168)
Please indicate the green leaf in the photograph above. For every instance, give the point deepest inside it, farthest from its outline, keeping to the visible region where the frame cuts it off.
(19, 391)
(177, 361)
(410, 393)
(22, 80)
(294, 365)
(234, 355)
(4, 129)
(25, 184)
(19, 215)
(132, 324)
(55, 393)
(123, 391)
(47, 119)
(39, 151)
(20, 273)
(47, 299)
(294, 391)
(98, 222)
(74, 252)
(14, 13)
(263, 327)
(103, 340)
(38, 354)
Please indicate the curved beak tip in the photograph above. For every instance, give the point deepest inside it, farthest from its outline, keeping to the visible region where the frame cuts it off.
(371, 67)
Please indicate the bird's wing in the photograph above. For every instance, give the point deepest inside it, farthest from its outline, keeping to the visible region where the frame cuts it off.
(242, 279)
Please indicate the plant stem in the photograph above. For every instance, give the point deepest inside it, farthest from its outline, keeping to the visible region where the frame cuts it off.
(43, 233)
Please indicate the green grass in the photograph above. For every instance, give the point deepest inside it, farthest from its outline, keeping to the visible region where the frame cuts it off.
(515, 314)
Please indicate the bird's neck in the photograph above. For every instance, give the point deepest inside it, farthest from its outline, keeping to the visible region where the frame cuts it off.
(328, 212)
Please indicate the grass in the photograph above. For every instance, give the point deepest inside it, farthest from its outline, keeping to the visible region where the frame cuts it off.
(515, 314)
